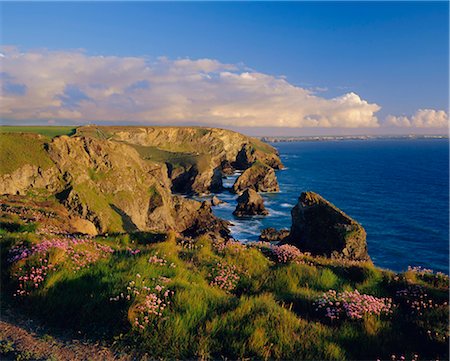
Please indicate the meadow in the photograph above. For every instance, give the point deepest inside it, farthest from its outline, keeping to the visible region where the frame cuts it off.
(165, 296)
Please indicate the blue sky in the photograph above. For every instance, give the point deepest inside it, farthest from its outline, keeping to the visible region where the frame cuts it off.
(394, 55)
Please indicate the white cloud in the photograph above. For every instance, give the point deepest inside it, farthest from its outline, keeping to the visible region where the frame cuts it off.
(423, 118)
(71, 85)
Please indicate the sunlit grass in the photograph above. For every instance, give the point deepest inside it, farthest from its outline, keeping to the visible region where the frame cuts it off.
(270, 314)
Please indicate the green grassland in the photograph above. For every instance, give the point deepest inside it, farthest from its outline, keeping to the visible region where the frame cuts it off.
(47, 131)
(269, 313)
(17, 150)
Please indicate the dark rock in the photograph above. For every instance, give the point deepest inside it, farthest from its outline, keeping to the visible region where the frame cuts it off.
(322, 229)
(227, 168)
(250, 203)
(259, 177)
(245, 158)
(207, 223)
(272, 235)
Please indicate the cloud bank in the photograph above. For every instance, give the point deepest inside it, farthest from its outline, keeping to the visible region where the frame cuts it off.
(70, 85)
(423, 118)
(61, 86)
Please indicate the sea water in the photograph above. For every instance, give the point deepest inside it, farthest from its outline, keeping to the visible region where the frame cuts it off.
(397, 189)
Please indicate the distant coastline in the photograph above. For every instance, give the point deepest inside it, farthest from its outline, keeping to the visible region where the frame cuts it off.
(277, 139)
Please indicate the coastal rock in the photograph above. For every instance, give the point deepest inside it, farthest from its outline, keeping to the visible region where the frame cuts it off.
(83, 226)
(250, 203)
(215, 201)
(206, 223)
(259, 177)
(121, 179)
(273, 235)
(204, 154)
(249, 154)
(29, 177)
(110, 185)
(227, 168)
(322, 229)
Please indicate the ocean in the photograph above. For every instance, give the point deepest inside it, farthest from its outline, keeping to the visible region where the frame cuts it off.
(397, 189)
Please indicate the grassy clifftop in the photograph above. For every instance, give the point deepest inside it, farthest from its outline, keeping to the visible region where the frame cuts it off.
(183, 298)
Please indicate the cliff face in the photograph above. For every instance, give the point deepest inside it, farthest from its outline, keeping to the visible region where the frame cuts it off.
(322, 229)
(105, 182)
(196, 158)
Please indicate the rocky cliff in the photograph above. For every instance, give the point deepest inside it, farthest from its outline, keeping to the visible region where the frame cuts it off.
(322, 229)
(123, 178)
(196, 158)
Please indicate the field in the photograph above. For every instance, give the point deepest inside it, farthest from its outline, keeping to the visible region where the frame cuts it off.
(48, 131)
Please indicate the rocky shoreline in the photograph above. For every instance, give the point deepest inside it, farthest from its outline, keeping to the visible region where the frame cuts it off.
(126, 179)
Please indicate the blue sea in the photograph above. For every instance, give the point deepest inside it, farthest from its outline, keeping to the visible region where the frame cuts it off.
(397, 189)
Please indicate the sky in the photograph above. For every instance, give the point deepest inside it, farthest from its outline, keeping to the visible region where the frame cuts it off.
(264, 68)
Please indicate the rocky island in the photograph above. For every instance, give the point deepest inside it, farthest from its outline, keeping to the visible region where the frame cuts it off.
(101, 236)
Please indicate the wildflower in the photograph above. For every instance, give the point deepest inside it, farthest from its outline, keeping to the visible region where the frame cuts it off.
(352, 305)
(224, 276)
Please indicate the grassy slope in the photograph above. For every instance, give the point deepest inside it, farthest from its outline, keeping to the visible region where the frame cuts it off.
(269, 314)
(17, 150)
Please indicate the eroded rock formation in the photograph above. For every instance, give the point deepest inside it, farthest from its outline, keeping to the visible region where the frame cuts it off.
(259, 177)
(250, 203)
(273, 235)
(322, 229)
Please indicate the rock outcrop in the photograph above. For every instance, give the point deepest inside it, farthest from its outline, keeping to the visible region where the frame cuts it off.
(215, 201)
(322, 229)
(259, 177)
(29, 177)
(250, 203)
(249, 154)
(272, 235)
(206, 223)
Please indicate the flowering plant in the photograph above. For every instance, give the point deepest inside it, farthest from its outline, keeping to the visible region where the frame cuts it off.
(150, 303)
(224, 276)
(353, 305)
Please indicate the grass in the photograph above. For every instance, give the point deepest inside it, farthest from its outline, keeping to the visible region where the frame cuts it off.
(47, 131)
(100, 204)
(17, 150)
(270, 314)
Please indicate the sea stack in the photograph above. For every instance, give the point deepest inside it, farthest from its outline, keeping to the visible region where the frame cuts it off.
(321, 228)
(259, 177)
(250, 203)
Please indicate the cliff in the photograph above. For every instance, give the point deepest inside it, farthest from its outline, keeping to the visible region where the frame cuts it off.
(195, 157)
(121, 179)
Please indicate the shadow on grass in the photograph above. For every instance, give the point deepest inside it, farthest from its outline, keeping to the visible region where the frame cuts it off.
(82, 303)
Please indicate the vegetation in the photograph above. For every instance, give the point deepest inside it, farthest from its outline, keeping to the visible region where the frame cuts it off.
(47, 131)
(17, 150)
(185, 298)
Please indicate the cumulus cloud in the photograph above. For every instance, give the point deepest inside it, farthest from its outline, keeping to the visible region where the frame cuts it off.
(71, 85)
(423, 118)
